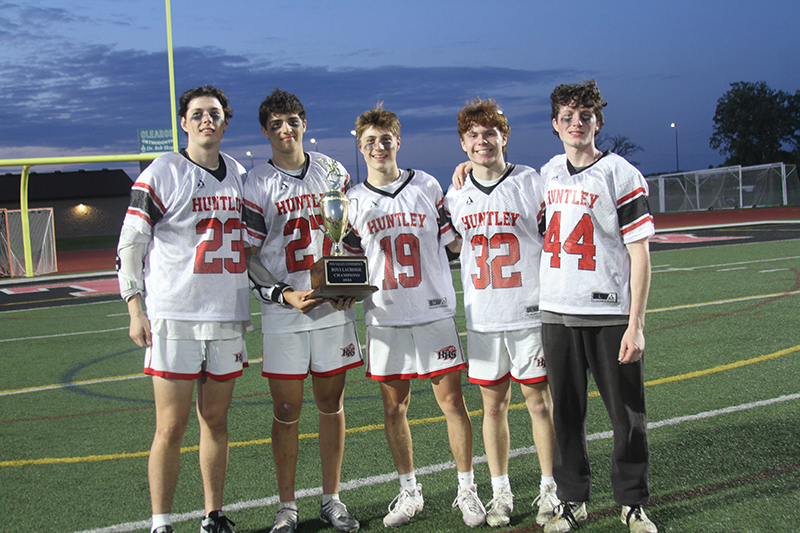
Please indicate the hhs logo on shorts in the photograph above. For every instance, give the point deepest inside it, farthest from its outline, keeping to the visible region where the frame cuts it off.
(349, 351)
(447, 354)
(239, 357)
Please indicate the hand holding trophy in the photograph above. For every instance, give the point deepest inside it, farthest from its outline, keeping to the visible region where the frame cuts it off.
(336, 277)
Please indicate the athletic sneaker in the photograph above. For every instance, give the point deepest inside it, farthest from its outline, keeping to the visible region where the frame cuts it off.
(335, 513)
(498, 511)
(472, 510)
(547, 502)
(406, 504)
(216, 523)
(635, 519)
(285, 521)
(163, 529)
(567, 516)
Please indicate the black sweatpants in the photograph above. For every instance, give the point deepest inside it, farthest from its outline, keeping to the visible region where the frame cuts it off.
(573, 354)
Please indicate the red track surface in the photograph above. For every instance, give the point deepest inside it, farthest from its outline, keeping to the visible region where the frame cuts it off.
(730, 216)
(100, 260)
(86, 261)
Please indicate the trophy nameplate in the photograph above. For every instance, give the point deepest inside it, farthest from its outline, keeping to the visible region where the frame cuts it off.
(338, 277)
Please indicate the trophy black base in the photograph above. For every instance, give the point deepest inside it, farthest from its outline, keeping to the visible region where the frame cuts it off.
(341, 277)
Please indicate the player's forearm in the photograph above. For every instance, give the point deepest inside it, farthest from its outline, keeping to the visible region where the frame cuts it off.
(135, 308)
(639, 252)
(263, 284)
(131, 251)
(257, 270)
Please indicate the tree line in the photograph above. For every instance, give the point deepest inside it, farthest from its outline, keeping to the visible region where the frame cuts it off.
(753, 125)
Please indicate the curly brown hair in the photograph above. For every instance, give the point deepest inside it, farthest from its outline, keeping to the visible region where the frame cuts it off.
(584, 94)
(280, 103)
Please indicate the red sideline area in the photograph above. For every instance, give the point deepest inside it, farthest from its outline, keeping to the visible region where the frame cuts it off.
(729, 216)
(101, 260)
(86, 261)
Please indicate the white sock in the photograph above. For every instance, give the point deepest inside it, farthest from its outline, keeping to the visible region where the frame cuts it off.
(547, 481)
(408, 481)
(160, 520)
(466, 479)
(499, 483)
(288, 505)
(327, 498)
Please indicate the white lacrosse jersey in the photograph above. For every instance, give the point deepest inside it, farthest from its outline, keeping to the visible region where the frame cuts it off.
(501, 248)
(283, 220)
(195, 268)
(591, 215)
(403, 236)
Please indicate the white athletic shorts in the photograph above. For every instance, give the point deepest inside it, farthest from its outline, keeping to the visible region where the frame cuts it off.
(325, 352)
(220, 360)
(407, 352)
(496, 356)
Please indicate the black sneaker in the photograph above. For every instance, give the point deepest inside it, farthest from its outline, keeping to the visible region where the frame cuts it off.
(216, 522)
(163, 529)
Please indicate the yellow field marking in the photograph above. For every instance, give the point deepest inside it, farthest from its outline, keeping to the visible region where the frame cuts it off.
(721, 302)
(375, 427)
(722, 368)
(70, 384)
(86, 459)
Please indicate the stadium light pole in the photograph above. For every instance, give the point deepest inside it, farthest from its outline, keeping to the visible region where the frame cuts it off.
(315, 143)
(677, 161)
(358, 178)
(250, 155)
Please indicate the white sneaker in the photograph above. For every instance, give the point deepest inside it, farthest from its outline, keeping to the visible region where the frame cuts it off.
(285, 521)
(547, 502)
(566, 517)
(472, 510)
(498, 511)
(635, 519)
(406, 504)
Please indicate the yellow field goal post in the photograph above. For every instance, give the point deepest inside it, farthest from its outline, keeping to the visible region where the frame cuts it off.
(26, 165)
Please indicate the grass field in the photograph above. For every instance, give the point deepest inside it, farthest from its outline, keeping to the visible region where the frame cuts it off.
(722, 369)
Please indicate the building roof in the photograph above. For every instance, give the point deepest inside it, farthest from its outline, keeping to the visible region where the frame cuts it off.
(64, 185)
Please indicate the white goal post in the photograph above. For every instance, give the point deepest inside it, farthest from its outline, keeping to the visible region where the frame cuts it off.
(42, 242)
(736, 187)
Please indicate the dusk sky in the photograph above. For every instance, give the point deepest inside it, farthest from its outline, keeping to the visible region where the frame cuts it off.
(80, 77)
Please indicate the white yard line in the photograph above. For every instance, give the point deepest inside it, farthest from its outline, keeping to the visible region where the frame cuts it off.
(430, 469)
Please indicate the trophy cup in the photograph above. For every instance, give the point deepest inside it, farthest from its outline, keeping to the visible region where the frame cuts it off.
(337, 276)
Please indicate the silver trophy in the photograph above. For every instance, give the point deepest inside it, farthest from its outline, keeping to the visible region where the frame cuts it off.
(336, 276)
(334, 208)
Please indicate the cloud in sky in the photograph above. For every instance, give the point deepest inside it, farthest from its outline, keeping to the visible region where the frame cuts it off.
(96, 96)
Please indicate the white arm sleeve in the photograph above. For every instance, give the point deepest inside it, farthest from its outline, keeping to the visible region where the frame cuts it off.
(130, 262)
